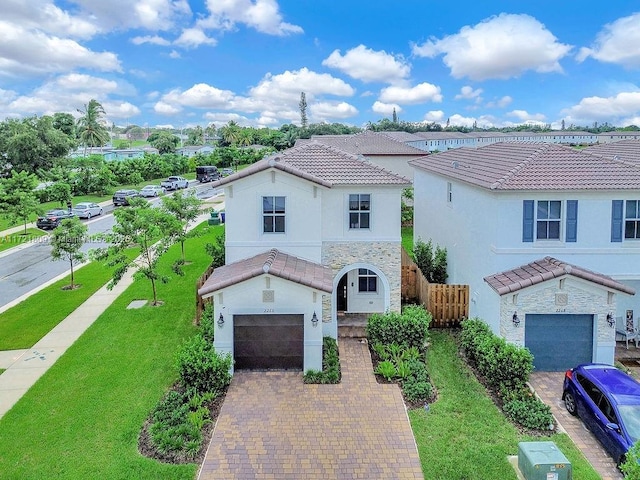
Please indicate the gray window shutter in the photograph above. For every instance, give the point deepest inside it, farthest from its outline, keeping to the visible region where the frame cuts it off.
(572, 221)
(527, 220)
(616, 220)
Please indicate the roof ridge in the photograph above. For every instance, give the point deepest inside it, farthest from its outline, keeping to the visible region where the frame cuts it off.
(271, 257)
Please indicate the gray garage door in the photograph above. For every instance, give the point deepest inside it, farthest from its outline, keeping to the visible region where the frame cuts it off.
(268, 342)
(559, 341)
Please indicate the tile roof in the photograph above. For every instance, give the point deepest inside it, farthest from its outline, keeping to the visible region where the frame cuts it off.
(627, 151)
(531, 166)
(443, 135)
(545, 269)
(322, 164)
(403, 136)
(368, 143)
(274, 263)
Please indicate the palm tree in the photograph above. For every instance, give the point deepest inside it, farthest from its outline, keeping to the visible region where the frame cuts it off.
(230, 133)
(91, 129)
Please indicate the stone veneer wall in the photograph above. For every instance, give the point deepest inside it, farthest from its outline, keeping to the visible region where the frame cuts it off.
(383, 255)
(571, 298)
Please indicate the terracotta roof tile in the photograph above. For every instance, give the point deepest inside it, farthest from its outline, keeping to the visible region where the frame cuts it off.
(368, 143)
(546, 269)
(274, 263)
(531, 166)
(626, 151)
(324, 165)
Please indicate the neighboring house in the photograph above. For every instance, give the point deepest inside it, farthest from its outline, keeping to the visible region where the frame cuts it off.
(500, 209)
(193, 150)
(609, 137)
(311, 233)
(624, 150)
(375, 147)
(108, 153)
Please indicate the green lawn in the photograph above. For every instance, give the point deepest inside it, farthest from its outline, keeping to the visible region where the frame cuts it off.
(407, 238)
(15, 239)
(464, 435)
(81, 420)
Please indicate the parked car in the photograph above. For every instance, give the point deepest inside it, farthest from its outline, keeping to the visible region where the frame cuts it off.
(174, 183)
(122, 197)
(53, 218)
(226, 172)
(87, 210)
(607, 400)
(151, 191)
(207, 173)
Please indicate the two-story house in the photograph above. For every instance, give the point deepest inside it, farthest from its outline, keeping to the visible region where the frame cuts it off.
(310, 233)
(546, 236)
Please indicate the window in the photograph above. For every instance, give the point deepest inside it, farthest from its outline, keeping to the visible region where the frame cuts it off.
(449, 192)
(367, 281)
(632, 219)
(548, 219)
(273, 214)
(359, 210)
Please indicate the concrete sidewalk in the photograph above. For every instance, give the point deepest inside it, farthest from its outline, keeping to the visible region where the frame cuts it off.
(25, 367)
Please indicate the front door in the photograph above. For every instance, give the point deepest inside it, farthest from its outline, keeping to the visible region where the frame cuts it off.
(341, 294)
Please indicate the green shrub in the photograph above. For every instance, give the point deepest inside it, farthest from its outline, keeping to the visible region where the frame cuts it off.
(524, 408)
(387, 369)
(330, 364)
(417, 391)
(631, 465)
(207, 324)
(200, 368)
(432, 264)
(407, 329)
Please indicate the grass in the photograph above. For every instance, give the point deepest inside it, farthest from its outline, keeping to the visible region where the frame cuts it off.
(464, 435)
(15, 239)
(82, 418)
(407, 238)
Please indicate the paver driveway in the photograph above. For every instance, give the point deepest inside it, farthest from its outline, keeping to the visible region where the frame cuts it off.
(273, 426)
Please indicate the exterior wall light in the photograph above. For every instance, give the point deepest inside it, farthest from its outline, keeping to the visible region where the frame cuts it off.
(515, 319)
(220, 321)
(314, 320)
(610, 320)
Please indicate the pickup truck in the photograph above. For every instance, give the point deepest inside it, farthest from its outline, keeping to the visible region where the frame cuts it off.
(174, 183)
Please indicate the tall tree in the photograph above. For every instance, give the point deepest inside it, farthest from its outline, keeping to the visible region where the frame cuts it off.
(18, 200)
(66, 242)
(91, 125)
(395, 115)
(151, 230)
(230, 133)
(303, 110)
(185, 207)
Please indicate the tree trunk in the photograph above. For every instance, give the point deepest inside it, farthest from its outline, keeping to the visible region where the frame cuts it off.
(71, 262)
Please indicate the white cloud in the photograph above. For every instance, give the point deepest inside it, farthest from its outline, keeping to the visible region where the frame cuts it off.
(386, 108)
(194, 37)
(261, 15)
(616, 110)
(617, 42)
(434, 116)
(468, 93)
(502, 46)
(483, 121)
(421, 93)
(152, 39)
(164, 108)
(500, 103)
(120, 110)
(368, 65)
(26, 52)
(328, 111)
(526, 117)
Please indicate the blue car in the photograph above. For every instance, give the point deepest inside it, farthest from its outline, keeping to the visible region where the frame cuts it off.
(607, 400)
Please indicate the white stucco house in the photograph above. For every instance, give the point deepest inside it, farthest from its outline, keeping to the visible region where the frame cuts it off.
(546, 236)
(312, 233)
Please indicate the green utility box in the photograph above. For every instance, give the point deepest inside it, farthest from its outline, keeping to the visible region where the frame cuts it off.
(214, 220)
(543, 461)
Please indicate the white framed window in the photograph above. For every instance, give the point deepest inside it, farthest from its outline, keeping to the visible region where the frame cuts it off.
(367, 281)
(632, 220)
(273, 214)
(359, 210)
(548, 219)
(449, 192)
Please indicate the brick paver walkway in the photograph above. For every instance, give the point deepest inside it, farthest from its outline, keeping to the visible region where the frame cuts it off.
(273, 426)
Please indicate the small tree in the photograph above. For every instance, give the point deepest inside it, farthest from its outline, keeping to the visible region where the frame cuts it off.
(217, 251)
(185, 207)
(151, 230)
(432, 264)
(66, 242)
(18, 200)
(60, 192)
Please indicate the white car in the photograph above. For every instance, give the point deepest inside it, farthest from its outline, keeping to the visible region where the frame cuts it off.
(151, 191)
(87, 210)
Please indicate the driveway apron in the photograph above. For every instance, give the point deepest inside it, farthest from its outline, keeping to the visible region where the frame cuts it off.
(273, 426)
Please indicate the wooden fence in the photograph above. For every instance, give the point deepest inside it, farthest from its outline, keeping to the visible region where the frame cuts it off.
(201, 302)
(448, 304)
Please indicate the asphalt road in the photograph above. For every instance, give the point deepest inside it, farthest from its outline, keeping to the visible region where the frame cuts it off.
(29, 266)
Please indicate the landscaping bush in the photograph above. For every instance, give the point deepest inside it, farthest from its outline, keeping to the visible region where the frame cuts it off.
(207, 324)
(200, 368)
(330, 364)
(524, 408)
(631, 465)
(406, 329)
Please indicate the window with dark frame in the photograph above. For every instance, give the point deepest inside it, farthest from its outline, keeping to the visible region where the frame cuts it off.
(548, 218)
(273, 214)
(367, 281)
(632, 219)
(359, 210)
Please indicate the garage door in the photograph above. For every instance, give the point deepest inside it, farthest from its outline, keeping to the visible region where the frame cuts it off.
(268, 341)
(559, 341)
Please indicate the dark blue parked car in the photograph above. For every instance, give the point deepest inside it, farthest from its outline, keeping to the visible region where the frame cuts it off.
(607, 400)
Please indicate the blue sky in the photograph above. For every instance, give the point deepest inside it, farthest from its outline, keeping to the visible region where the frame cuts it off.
(182, 63)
